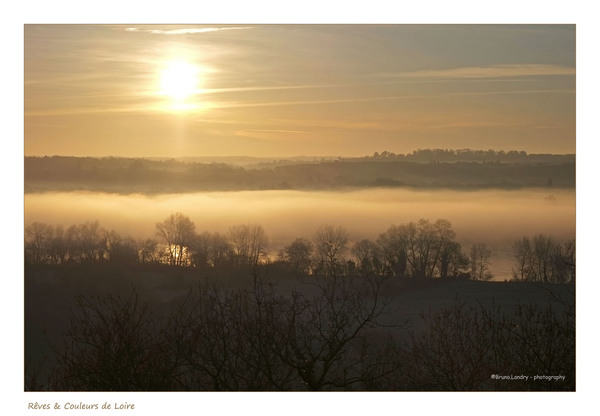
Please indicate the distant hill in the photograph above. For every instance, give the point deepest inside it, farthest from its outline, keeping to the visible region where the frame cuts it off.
(420, 169)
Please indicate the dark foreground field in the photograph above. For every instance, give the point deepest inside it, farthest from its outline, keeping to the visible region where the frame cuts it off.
(159, 328)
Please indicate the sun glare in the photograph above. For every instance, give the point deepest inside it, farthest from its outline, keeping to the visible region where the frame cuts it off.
(179, 80)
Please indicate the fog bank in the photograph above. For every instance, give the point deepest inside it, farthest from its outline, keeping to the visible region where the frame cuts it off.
(494, 217)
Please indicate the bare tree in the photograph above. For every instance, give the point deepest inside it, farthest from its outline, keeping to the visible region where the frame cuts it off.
(58, 246)
(87, 242)
(211, 250)
(462, 346)
(480, 261)
(178, 232)
(453, 262)
(45, 243)
(425, 243)
(568, 260)
(299, 255)
(324, 333)
(369, 256)
(115, 344)
(120, 249)
(544, 249)
(38, 238)
(228, 337)
(149, 252)
(422, 249)
(393, 243)
(523, 254)
(447, 250)
(330, 245)
(542, 259)
(249, 243)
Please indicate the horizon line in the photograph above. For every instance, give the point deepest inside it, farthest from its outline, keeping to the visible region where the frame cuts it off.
(242, 156)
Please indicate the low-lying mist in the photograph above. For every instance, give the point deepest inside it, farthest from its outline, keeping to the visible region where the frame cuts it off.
(497, 218)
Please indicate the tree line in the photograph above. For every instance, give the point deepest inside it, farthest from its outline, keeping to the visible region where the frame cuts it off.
(431, 168)
(416, 250)
(471, 155)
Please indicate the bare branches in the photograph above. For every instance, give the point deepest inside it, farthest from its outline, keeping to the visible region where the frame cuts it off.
(463, 346)
(542, 259)
(178, 232)
(114, 344)
(315, 338)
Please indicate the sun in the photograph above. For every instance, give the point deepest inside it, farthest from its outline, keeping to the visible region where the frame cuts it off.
(179, 80)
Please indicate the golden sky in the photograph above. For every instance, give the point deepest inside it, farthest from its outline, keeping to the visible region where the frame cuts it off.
(292, 90)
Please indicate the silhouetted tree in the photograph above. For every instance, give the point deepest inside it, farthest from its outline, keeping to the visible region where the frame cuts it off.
(422, 249)
(115, 344)
(568, 259)
(298, 254)
(86, 242)
(316, 338)
(330, 245)
(211, 250)
(453, 262)
(544, 250)
(323, 334)
(393, 244)
(228, 337)
(38, 240)
(462, 346)
(58, 246)
(448, 254)
(149, 251)
(249, 243)
(480, 261)
(542, 259)
(120, 250)
(178, 232)
(523, 254)
(369, 256)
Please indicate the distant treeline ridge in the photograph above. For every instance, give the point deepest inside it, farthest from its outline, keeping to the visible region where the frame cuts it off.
(455, 169)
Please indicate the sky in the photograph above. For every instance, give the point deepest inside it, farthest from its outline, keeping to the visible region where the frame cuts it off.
(282, 90)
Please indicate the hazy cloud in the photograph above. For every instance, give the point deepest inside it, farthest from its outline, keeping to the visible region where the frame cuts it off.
(269, 134)
(276, 131)
(494, 71)
(186, 31)
(384, 98)
(193, 107)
